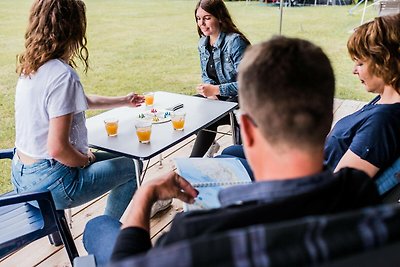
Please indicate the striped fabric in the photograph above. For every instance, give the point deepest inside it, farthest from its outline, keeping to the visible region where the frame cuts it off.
(308, 241)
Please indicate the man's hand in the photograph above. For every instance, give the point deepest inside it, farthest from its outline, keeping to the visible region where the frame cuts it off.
(168, 186)
(208, 90)
(134, 100)
(171, 185)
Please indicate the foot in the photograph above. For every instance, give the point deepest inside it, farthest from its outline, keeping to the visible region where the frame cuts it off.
(212, 150)
(160, 206)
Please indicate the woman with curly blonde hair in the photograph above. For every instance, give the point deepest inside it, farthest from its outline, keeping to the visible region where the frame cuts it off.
(50, 103)
(368, 139)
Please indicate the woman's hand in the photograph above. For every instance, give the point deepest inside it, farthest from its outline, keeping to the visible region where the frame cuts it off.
(208, 90)
(134, 100)
(91, 156)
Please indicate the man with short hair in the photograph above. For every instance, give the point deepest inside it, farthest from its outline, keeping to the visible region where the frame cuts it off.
(286, 95)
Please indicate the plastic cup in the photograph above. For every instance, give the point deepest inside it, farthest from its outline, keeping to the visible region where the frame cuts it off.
(178, 120)
(111, 125)
(149, 99)
(143, 131)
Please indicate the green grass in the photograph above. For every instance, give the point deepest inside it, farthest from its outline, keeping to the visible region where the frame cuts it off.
(152, 45)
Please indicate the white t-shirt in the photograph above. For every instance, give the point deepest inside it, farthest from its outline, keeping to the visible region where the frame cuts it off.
(53, 91)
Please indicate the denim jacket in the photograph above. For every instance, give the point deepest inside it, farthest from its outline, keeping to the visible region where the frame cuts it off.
(228, 52)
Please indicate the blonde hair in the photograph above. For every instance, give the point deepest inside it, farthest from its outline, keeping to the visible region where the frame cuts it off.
(378, 41)
(56, 29)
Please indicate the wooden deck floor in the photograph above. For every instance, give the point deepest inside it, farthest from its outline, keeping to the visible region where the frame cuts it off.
(41, 253)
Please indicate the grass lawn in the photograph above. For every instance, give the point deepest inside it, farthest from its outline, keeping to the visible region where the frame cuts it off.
(152, 45)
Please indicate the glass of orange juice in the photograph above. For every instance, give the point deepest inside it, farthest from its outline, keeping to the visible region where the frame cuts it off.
(149, 99)
(178, 120)
(111, 125)
(143, 131)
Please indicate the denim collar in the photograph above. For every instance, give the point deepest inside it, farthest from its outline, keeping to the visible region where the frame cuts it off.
(271, 191)
(218, 43)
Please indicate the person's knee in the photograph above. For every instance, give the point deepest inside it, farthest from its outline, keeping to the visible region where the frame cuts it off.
(235, 150)
(99, 237)
(101, 227)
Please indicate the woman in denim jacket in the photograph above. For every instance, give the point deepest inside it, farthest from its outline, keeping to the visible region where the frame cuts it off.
(221, 48)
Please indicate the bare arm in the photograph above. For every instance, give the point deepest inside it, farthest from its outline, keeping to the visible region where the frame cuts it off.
(168, 186)
(59, 146)
(107, 102)
(350, 159)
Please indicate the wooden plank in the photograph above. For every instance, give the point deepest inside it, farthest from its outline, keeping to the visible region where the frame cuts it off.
(336, 104)
(347, 107)
(60, 258)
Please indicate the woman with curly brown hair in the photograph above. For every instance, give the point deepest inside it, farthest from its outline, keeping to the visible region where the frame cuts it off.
(50, 103)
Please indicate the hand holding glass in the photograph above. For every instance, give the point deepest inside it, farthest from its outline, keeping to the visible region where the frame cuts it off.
(149, 99)
(111, 125)
(178, 120)
(143, 131)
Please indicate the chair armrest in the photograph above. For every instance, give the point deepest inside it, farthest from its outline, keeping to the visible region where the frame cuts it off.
(25, 197)
(7, 153)
(85, 261)
(389, 178)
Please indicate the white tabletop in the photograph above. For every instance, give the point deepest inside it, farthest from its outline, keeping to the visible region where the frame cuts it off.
(200, 113)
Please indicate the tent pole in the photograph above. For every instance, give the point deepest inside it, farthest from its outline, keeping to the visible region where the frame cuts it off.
(280, 16)
(363, 14)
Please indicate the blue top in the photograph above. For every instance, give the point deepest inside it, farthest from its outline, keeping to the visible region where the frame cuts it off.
(372, 133)
(227, 53)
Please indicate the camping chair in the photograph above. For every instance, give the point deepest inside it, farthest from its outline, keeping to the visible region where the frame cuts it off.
(388, 183)
(22, 223)
(308, 241)
(388, 7)
(9, 154)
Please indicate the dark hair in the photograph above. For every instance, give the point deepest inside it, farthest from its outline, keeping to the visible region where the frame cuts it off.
(287, 86)
(378, 41)
(218, 9)
(56, 28)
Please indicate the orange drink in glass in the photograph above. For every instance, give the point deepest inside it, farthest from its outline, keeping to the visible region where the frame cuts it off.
(143, 131)
(178, 120)
(149, 99)
(111, 125)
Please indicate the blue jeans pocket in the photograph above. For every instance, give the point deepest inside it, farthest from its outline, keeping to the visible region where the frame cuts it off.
(31, 177)
(42, 175)
(61, 187)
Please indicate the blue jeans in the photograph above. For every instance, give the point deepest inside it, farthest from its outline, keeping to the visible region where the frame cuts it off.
(100, 236)
(237, 151)
(71, 187)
